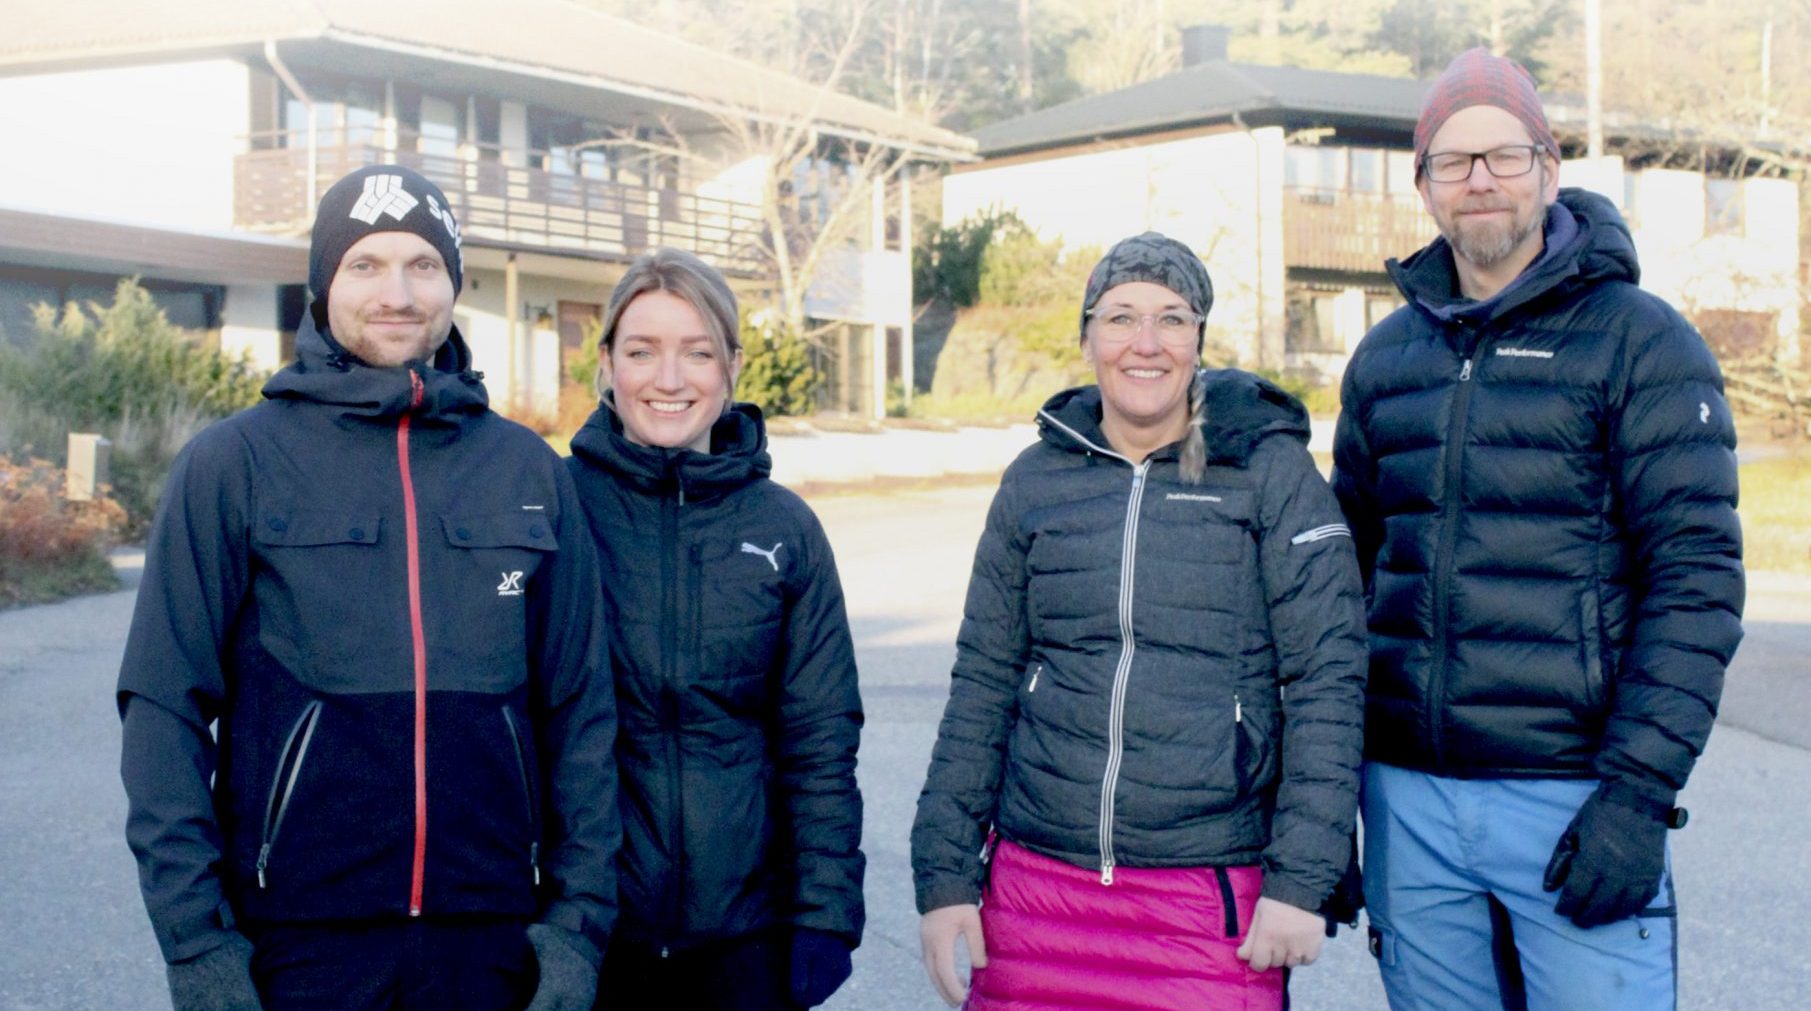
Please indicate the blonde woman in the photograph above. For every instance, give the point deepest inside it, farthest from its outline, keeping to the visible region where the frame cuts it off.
(740, 870)
(1145, 780)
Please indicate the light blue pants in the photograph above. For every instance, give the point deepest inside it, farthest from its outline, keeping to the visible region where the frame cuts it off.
(1438, 849)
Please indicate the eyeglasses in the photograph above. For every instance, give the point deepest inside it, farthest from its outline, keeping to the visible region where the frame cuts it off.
(1175, 327)
(1503, 163)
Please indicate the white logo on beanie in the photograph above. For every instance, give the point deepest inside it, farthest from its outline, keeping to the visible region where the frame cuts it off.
(445, 217)
(384, 194)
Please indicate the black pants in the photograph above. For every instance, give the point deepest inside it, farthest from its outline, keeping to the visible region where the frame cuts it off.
(747, 973)
(455, 964)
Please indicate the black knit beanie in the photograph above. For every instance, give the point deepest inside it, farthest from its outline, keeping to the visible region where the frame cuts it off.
(381, 198)
(1156, 258)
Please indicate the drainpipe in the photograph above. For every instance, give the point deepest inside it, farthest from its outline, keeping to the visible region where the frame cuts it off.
(290, 82)
(1257, 221)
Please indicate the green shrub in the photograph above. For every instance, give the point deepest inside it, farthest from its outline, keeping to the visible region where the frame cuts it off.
(777, 373)
(125, 371)
(947, 262)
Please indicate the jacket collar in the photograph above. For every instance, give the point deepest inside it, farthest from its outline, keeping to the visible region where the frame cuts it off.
(1242, 409)
(738, 454)
(326, 373)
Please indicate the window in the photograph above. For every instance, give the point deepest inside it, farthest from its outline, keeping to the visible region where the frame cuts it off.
(1367, 170)
(1723, 207)
(440, 127)
(1309, 322)
(1379, 306)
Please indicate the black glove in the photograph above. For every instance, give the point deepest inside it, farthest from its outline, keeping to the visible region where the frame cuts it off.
(1608, 863)
(568, 969)
(1348, 895)
(218, 979)
(820, 964)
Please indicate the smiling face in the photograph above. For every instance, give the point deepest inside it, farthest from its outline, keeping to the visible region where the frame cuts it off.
(391, 300)
(1144, 381)
(669, 375)
(1493, 225)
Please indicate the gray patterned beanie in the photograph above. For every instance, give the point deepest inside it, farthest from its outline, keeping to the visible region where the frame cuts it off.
(1156, 258)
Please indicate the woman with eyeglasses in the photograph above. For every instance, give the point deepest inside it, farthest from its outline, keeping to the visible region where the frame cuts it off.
(1144, 784)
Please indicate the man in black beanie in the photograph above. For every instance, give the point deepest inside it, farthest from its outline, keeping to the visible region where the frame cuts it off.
(382, 598)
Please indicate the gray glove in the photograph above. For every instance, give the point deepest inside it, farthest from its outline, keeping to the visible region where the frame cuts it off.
(218, 979)
(568, 972)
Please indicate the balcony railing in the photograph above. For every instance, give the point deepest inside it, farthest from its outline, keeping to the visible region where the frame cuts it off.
(518, 206)
(1333, 230)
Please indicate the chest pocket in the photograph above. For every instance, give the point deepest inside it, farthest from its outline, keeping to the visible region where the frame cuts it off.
(475, 610)
(327, 598)
(741, 604)
(1197, 524)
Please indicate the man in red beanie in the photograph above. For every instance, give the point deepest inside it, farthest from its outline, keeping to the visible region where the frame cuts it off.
(1538, 467)
(366, 702)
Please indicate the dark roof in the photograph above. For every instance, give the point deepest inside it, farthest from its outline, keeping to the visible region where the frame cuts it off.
(540, 42)
(1207, 93)
(65, 242)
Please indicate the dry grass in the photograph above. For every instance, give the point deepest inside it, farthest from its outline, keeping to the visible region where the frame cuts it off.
(1776, 513)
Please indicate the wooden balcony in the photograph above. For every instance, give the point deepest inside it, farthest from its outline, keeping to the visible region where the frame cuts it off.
(1354, 232)
(523, 207)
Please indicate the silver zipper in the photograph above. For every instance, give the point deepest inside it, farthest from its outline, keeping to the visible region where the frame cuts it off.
(1465, 371)
(1034, 679)
(1116, 712)
(1116, 738)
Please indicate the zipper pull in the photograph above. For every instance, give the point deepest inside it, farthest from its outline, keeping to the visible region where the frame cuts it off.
(1465, 371)
(1106, 874)
(534, 861)
(1034, 679)
(1238, 710)
(664, 951)
(263, 859)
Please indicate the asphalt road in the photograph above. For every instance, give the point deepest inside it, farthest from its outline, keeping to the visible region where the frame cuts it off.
(73, 934)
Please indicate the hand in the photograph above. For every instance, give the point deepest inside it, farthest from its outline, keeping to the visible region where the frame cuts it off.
(568, 975)
(1282, 936)
(1608, 863)
(218, 979)
(938, 931)
(820, 964)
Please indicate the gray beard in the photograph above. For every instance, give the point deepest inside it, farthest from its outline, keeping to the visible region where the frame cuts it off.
(1488, 247)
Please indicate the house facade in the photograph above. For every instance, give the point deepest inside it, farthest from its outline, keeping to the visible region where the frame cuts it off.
(188, 144)
(1296, 186)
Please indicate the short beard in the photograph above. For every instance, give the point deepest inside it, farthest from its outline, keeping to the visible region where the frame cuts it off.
(1492, 247)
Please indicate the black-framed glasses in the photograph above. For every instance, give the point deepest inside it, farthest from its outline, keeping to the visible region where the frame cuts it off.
(1177, 327)
(1503, 162)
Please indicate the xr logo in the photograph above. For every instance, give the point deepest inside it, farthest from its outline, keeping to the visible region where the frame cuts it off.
(511, 585)
(767, 553)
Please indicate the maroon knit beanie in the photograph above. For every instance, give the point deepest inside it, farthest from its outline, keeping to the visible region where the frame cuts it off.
(1475, 77)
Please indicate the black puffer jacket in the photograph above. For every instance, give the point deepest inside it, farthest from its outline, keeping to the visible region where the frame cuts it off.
(387, 596)
(736, 686)
(1543, 494)
(1138, 655)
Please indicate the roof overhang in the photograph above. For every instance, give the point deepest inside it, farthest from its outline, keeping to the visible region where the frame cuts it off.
(61, 242)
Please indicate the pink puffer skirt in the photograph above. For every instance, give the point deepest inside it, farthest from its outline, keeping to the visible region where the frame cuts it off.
(1157, 939)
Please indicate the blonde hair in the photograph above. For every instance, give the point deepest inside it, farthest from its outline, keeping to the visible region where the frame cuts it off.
(1193, 465)
(682, 274)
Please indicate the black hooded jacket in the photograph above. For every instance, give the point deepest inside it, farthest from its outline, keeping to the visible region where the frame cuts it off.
(736, 684)
(1542, 488)
(387, 597)
(1155, 673)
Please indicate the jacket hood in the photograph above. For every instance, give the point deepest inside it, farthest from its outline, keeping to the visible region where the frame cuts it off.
(738, 454)
(324, 372)
(1242, 410)
(1601, 250)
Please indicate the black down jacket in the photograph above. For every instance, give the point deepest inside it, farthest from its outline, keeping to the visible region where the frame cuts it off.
(387, 596)
(736, 685)
(1543, 495)
(1153, 673)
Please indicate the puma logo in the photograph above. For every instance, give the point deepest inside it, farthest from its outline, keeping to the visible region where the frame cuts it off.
(767, 553)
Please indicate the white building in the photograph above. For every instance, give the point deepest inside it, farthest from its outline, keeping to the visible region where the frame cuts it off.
(187, 143)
